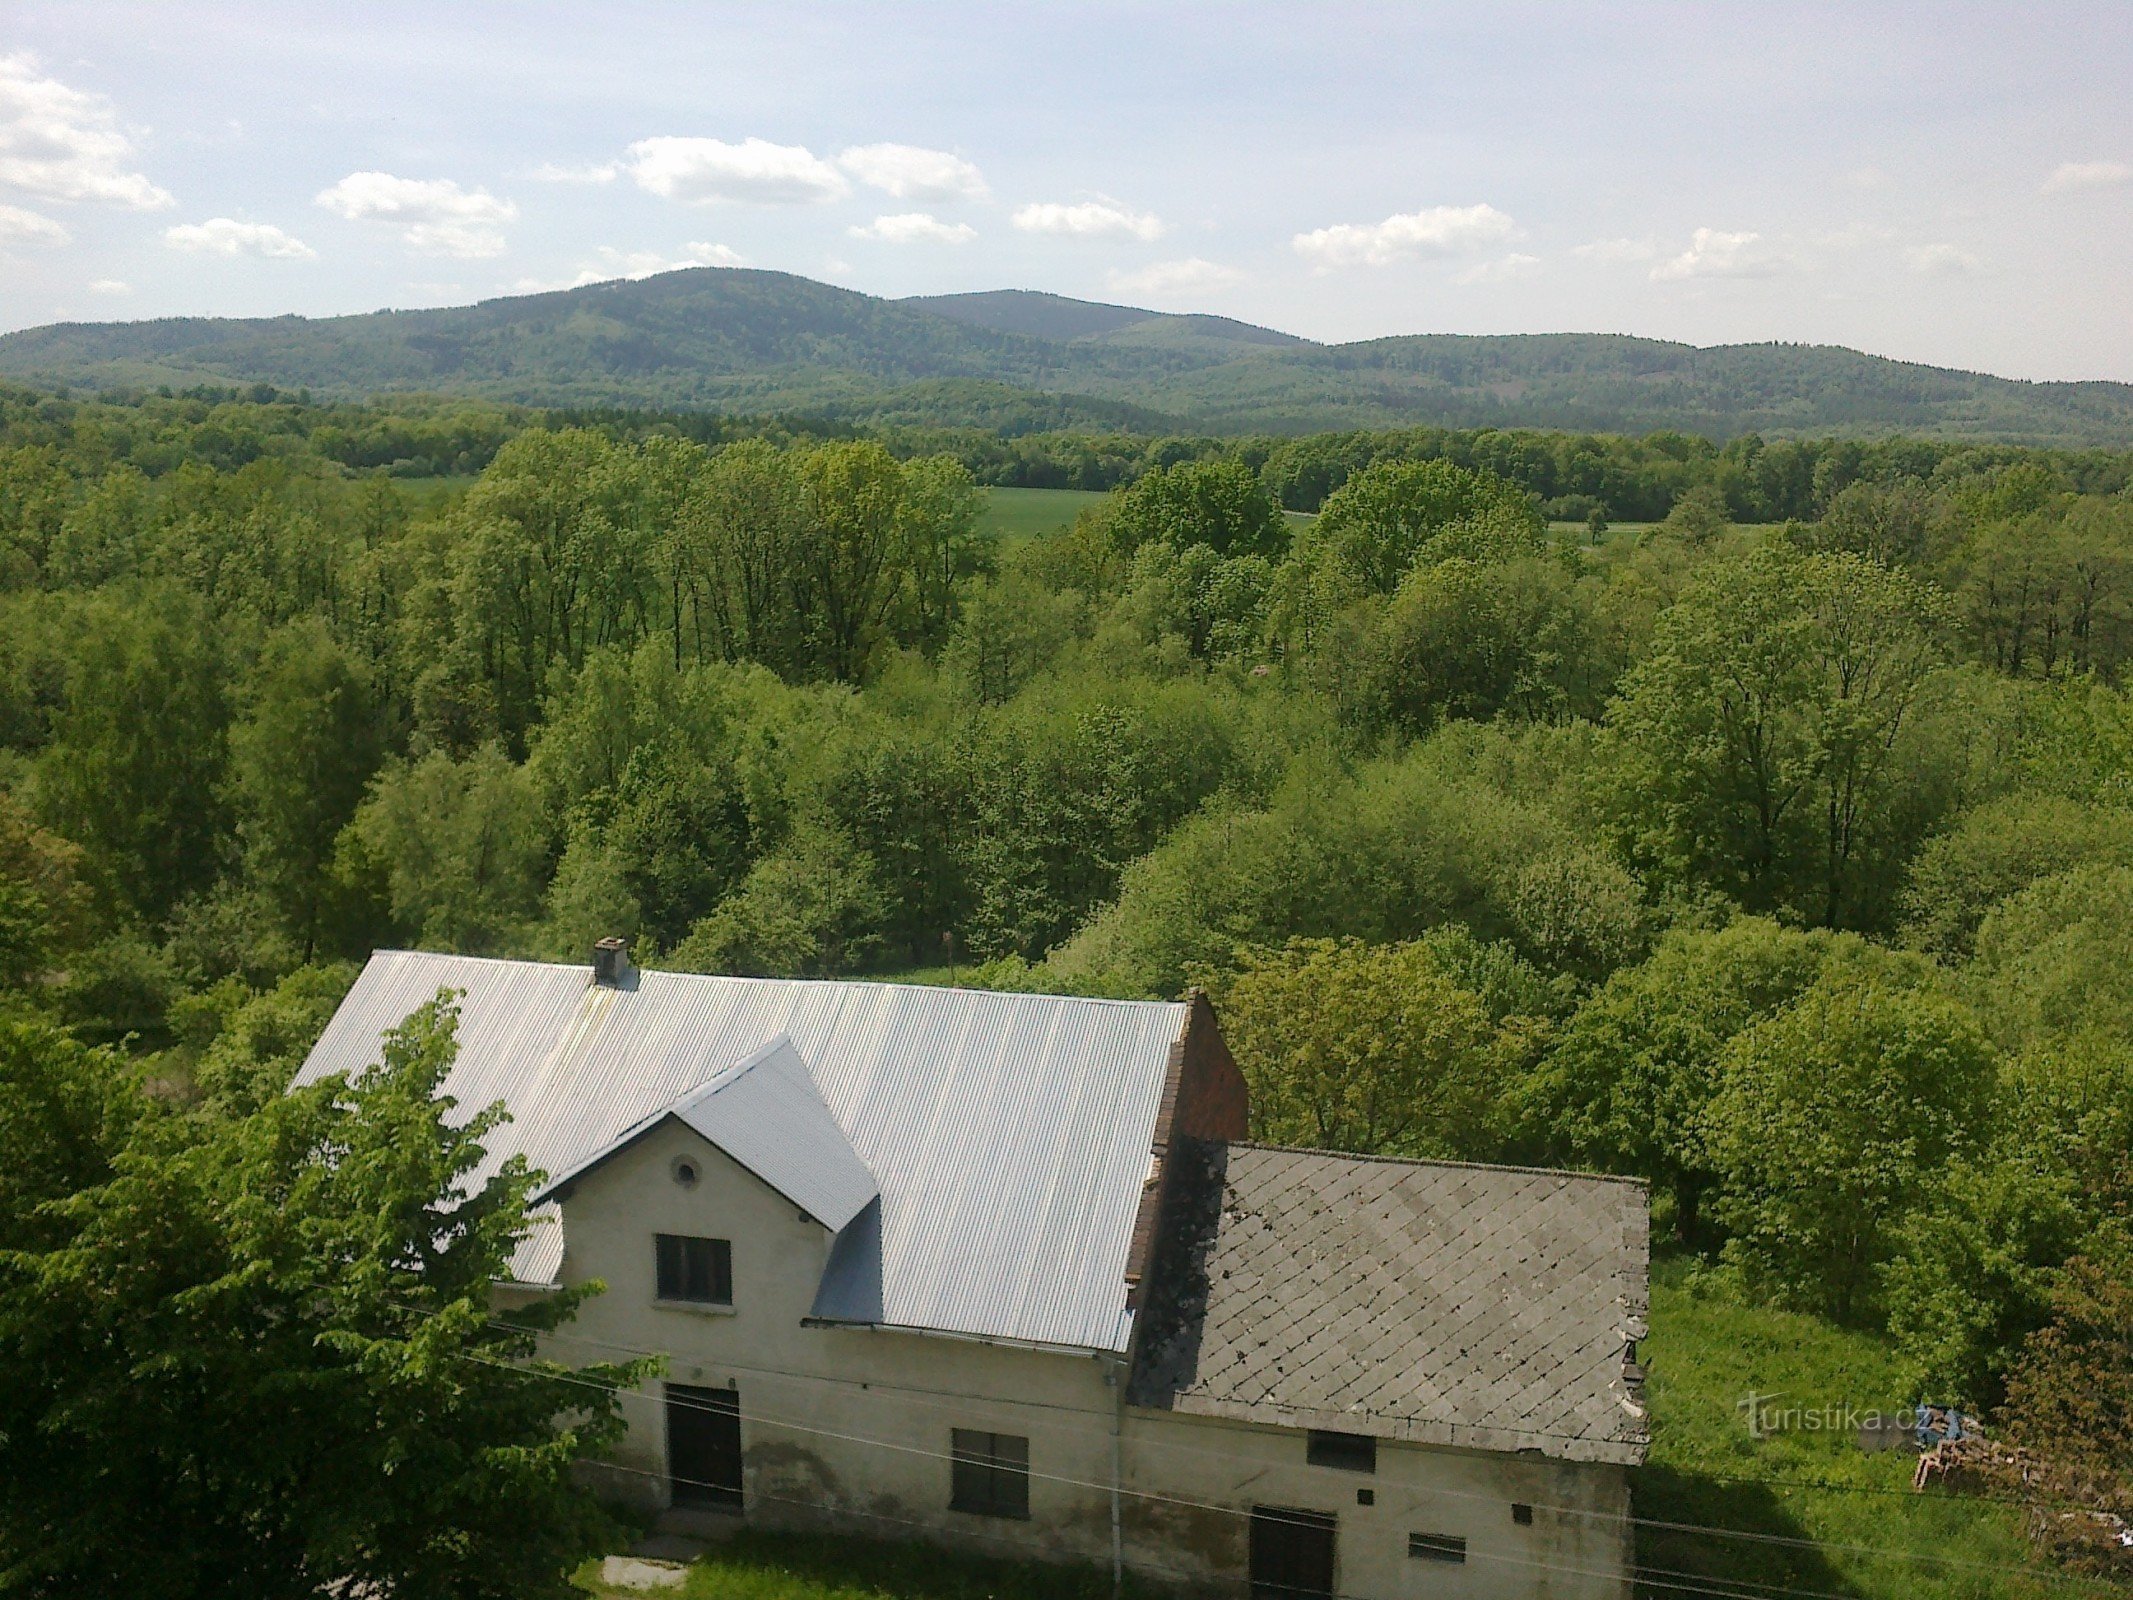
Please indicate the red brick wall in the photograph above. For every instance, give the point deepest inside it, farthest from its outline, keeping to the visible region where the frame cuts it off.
(1204, 1097)
(1212, 1102)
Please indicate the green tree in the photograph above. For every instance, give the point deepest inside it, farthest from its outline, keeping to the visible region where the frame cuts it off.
(808, 910)
(1998, 849)
(277, 1331)
(1370, 1048)
(300, 758)
(460, 847)
(854, 497)
(1625, 1084)
(1395, 514)
(2070, 1402)
(45, 911)
(135, 773)
(1219, 503)
(937, 526)
(1832, 1118)
(740, 584)
(1777, 737)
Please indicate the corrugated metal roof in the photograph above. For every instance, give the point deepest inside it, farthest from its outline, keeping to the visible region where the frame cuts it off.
(764, 1112)
(1008, 1134)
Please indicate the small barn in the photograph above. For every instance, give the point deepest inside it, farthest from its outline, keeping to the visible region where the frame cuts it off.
(1004, 1270)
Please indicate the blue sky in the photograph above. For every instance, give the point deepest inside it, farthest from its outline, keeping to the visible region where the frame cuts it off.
(1949, 183)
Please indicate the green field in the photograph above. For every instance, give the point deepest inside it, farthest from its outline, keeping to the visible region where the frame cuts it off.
(1012, 515)
(1812, 1515)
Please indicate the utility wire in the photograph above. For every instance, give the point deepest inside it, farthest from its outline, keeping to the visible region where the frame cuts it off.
(967, 1407)
(1745, 1589)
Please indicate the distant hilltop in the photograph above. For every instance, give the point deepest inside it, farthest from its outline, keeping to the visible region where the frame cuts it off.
(731, 339)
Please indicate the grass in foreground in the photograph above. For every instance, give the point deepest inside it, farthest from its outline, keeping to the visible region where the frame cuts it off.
(1706, 1353)
(759, 1565)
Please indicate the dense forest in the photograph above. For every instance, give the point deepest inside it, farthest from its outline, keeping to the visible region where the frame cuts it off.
(1777, 852)
(747, 342)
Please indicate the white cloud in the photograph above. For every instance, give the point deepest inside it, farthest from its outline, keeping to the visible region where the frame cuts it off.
(1941, 260)
(576, 172)
(1715, 254)
(911, 172)
(18, 226)
(915, 227)
(109, 286)
(702, 171)
(1089, 219)
(62, 144)
(2072, 175)
(611, 264)
(1501, 270)
(434, 215)
(1433, 231)
(1170, 279)
(225, 236)
(1615, 250)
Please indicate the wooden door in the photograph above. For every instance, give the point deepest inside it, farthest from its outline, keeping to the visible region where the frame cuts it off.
(704, 1446)
(1292, 1554)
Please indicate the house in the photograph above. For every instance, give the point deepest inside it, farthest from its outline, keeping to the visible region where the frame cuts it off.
(1003, 1270)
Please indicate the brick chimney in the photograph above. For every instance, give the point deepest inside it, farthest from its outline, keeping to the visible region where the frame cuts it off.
(611, 963)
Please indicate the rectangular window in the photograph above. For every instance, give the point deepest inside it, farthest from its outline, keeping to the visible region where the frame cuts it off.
(1436, 1547)
(1351, 1452)
(696, 1270)
(991, 1476)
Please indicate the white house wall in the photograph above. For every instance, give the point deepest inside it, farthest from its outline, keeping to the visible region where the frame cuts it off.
(851, 1427)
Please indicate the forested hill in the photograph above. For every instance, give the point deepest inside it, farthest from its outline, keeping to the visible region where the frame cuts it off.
(738, 340)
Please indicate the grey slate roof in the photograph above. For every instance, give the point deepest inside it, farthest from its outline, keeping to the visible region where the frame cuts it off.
(1009, 1135)
(764, 1112)
(1490, 1307)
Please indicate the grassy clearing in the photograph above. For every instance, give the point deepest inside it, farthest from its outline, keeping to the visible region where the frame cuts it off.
(1012, 515)
(1577, 535)
(1706, 1352)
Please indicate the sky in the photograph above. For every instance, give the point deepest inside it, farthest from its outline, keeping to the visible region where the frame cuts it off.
(1946, 183)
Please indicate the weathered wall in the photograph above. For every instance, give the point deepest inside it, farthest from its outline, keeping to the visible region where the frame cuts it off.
(852, 1427)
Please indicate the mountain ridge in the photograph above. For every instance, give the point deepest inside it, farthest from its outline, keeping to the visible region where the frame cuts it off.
(747, 340)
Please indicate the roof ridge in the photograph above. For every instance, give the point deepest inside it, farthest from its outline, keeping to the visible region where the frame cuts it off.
(815, 983)
(1430, 1161)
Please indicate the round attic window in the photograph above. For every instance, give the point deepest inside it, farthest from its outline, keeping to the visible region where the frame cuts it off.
(686, 1172)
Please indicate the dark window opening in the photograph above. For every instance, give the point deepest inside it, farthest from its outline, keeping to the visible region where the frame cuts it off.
(1366, 1497)
(1436, 1547)
(1521, 1513)
(1351, 1452)
(991, 1474)
(695, 1270)
(704, 1446)
(1291, 1554)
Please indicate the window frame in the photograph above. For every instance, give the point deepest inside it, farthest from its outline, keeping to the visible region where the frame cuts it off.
(1449, 1548)
(1343, 1452)
(679, 1270)
(988, 1473)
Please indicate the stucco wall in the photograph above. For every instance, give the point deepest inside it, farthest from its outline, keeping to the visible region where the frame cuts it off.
(853, 1426)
